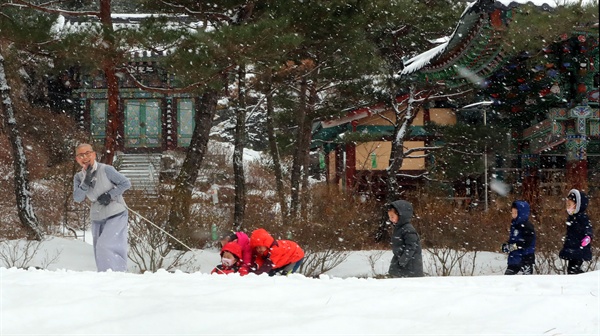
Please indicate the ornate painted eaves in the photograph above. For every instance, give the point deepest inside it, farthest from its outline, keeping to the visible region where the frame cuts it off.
(473, 51)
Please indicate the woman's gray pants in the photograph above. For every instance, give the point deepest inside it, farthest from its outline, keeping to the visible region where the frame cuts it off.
(110, 242)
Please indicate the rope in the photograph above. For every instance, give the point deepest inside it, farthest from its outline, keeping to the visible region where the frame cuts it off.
(158, 227)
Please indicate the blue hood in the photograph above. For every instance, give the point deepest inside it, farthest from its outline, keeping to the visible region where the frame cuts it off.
(522, 211)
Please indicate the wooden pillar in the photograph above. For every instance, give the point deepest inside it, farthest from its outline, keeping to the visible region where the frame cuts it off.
(327, 167)
(350, 166)
(576, 173)
(531, 179)
(339, 167)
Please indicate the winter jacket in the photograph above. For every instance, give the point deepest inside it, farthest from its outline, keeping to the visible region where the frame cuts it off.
(106, 179)
(279, 254)
(522, 233)
(578, 226)
(244, 242)
(406, 244)
(235, 249)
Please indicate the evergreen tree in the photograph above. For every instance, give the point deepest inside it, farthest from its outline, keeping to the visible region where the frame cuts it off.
(241, 33)
(21, 34)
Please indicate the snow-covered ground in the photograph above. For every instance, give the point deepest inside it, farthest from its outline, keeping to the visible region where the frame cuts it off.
(71, 299)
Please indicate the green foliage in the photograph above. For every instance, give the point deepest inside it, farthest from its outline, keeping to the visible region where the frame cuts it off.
(464, 145)
(404, 28)
(532, 28)
(25, 28)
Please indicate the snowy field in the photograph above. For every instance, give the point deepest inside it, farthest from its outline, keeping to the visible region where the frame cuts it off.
(71, 299)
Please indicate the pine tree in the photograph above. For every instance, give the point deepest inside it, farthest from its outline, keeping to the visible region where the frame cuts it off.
(20, 34)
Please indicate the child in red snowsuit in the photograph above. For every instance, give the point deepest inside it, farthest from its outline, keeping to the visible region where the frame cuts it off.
(275, 256)
(231, 260)
(244, 242)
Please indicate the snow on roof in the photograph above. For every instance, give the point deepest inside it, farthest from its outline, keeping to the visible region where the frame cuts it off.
(71, 25)
(64, 25)
(420, 61)
(539, 3)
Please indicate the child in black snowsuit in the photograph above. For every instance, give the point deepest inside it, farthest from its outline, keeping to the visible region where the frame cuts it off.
(577, 245)
(521, 242)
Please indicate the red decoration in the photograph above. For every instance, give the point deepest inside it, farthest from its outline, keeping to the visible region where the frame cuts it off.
(581, 38)
(544, 92)
(581, 88)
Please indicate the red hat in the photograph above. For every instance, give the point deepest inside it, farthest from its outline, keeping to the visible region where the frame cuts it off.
(233, 248)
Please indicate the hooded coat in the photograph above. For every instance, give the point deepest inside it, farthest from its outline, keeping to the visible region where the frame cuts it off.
(578, 226)
(279, 254)
(522, 233)
(406, 244)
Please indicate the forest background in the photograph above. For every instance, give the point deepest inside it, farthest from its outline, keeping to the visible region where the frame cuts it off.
(265, 72)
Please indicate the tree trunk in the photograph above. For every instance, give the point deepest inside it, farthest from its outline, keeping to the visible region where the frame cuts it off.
(306, 137)
(401, 133)
(298, 158)
(238, 152)
(109, 63)
(275, 151)
(184, 185)
(22, 190)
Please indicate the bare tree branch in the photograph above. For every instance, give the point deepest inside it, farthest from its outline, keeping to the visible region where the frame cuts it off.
(43, 8)
(188, 88)
(463, 152)
(421, 149)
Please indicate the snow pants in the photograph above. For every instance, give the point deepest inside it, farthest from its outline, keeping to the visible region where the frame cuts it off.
(110, 242)
(288, 269)
(574, 267)
(525, 269)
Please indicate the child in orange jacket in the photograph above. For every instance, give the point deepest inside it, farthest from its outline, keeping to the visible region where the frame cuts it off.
(231, 260)
(275, 256)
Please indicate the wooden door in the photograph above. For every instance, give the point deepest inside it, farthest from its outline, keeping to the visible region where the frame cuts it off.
(143, 120)
(185, 122)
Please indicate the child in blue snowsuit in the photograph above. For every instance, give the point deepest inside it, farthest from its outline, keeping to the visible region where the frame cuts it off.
(521, 242)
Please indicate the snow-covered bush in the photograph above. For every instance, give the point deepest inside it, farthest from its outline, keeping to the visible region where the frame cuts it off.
(21, 253)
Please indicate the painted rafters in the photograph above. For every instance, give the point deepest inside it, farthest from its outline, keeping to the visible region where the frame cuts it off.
(474, 50)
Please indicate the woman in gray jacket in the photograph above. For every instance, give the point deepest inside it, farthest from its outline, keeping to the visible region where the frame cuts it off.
(103, 185)
(406, 244)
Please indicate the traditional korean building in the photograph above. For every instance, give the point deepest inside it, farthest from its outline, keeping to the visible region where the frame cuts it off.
(474, 50)
(569, 130)
(356, 147)
(557, 101)
(151, 122)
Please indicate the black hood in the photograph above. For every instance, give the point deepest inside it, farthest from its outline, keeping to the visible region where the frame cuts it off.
(580, 198)
(405, 211)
